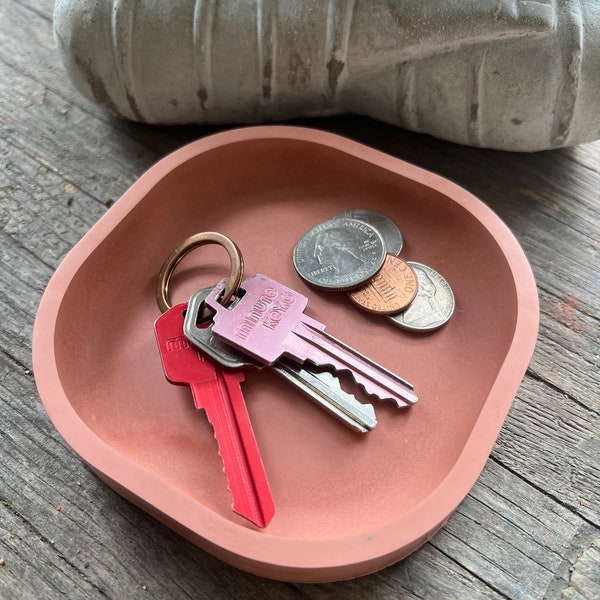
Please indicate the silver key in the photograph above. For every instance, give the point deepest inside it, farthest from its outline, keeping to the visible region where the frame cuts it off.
(268, 322)
(321, 386)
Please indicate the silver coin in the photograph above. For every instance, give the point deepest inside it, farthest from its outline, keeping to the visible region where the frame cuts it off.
(433, 305)
(339, 254)
(388, 229)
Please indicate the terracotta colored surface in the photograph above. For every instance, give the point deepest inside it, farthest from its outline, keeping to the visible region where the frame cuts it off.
(346, 504)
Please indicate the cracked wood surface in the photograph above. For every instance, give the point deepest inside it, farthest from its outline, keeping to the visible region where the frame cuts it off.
(529, 528)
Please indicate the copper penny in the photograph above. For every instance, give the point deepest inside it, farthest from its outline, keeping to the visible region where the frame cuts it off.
(390, 291)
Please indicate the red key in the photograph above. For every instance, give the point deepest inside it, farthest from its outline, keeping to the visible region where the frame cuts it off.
(219, 393)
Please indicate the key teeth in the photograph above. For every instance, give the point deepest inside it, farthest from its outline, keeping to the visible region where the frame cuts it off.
(333, 382)
(311, 331)
(258, 507)
(260, 515)
(365, 387)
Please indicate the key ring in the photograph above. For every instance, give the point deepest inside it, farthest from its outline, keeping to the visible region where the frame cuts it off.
(200, 239)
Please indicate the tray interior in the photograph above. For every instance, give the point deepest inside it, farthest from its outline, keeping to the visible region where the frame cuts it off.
(327, 481)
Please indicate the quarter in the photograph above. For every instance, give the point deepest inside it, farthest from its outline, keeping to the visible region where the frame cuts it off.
(339, 254)
(388, 229)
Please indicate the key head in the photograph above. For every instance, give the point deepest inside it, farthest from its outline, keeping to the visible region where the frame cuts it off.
(200, 334)
(259, 322)
(182, 363)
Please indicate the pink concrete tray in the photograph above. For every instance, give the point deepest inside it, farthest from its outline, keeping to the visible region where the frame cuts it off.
(346, 504)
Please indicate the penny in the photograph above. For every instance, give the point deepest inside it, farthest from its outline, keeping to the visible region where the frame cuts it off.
(388, 229)
(433, 305)
(390, 291)
(339, 254)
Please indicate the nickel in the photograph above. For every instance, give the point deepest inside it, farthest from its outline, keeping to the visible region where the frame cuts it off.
(433, 305)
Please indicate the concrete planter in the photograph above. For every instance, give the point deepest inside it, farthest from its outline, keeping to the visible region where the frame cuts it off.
(512, 75)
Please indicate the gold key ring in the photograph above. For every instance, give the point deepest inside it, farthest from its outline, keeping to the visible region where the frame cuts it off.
(200, 239)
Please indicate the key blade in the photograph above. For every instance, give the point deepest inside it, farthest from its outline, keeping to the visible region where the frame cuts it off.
(242, 464)
(219, 393)
(322, 388)
(268, 323)
(310, 340)
(325, 389)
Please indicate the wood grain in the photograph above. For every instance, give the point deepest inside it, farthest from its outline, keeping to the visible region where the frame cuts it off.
(530, 526)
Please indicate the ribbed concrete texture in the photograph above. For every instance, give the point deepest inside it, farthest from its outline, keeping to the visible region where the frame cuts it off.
(508, 74)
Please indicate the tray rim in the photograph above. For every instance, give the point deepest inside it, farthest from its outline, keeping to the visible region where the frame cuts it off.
(323, 559)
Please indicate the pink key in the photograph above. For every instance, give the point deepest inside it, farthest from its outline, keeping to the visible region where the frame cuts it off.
(268, 322)
(219, 393)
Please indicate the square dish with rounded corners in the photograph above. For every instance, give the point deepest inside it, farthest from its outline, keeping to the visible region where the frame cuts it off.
(347, 504)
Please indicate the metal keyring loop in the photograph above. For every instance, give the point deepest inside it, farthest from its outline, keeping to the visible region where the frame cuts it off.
(200, 239)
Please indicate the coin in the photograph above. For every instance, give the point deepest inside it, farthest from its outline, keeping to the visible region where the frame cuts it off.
(390, 291)
(339, 254)
(388, 229)
(433, 305)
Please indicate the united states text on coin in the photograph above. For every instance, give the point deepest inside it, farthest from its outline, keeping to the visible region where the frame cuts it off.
(433, 305)
(388, 229)
(339, 254)
(390, 291)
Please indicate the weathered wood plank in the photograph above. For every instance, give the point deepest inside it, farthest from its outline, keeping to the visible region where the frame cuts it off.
(552, 441)
(58, 134)
(40, 209)
(512, 536)
(22, 280)
(584, 578)
(570, 334)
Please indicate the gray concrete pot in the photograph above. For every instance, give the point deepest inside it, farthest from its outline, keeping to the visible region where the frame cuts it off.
(506, 74)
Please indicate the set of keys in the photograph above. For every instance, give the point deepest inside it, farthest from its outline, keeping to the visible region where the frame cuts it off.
(257, 323)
